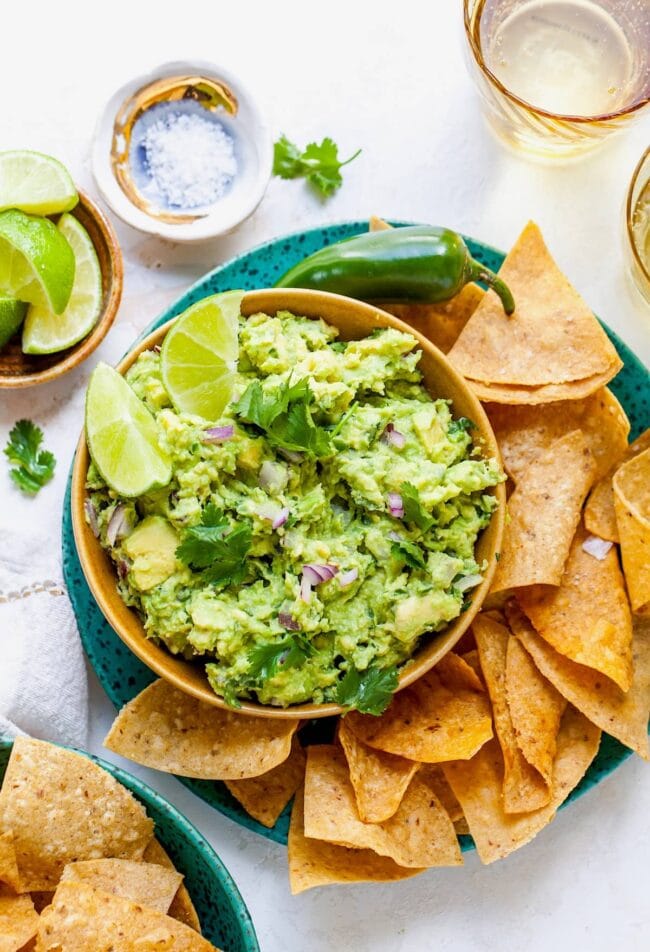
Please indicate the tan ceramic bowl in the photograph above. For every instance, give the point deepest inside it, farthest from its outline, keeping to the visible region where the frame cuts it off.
(354, 320)
(26, 370)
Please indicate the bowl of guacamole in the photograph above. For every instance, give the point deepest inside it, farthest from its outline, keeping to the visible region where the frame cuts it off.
(326, 540)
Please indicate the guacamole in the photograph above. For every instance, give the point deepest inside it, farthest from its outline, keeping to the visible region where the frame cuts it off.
(310, 537)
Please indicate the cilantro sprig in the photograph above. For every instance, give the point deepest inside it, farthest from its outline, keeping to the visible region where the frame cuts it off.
(32, 467)
(285, 416)
(410, 553)
(319, 164)
(218, 553)
(414, 511)
(267, 659)
(368, 691)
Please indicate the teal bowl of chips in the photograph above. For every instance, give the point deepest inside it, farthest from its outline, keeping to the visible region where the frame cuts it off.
(210, 892)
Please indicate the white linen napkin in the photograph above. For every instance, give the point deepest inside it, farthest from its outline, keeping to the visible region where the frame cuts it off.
(43, 682)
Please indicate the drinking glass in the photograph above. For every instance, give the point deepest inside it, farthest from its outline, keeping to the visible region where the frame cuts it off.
(637, 223)
(557, 77)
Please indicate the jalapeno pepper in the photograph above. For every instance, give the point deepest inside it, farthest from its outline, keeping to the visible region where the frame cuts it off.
(414, 263)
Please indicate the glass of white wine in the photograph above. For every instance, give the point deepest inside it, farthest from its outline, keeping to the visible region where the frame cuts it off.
(557, 77)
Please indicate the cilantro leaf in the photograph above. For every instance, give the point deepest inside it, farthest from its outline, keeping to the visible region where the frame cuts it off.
(369, 691)
(267, 659)
(457, 428)
(285, 417)
(198, 546)
(410, 553)
(319, 163)
(221, 557)
(414, 511)
(32, 467)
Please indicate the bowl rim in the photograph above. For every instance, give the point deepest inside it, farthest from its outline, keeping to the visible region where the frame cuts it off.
(166, 665)
(105, 320)
(145, 793)
(210, 226)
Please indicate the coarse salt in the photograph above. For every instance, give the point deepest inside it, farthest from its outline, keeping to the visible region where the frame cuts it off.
(191, 160)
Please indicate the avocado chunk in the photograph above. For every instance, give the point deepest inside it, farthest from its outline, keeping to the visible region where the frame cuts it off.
(152, 550)
(414, 614)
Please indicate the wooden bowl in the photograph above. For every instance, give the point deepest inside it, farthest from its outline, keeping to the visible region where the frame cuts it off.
(26, 370)
(354, 320)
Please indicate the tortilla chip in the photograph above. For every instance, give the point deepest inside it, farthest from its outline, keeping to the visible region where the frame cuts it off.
(472, 659)
(461, 826)
(544, 512)
(378, 224)
(536, 709)
(265, 797)
(316, 863)
(524, 432)
(536, 396)
(82, 918)
(169, 730)
(552, 337)
(419, 834)
(379, 780)
(623, 715)
(182, 907)
(632, 504)
(441, 323)
(433, 776)
(8, 863)
(587, 617)
(477, 784)
(150, 884)
(524, 788)
(18, 920)
(87, 815)
(600, 517)
(444, 715)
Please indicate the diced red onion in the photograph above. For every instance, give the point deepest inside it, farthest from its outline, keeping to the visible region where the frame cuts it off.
(347, 578)
(396, 505)
(288, 621)
(91, 513)
(218, 434)
(117, 524)
(319, 573)
(469, 581)
(305, 589)
(281, 518)
(393, 436)
(292, 455)
(597, 547)
(272, 475)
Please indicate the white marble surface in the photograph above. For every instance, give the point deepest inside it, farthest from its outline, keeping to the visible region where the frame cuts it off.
(389, 78)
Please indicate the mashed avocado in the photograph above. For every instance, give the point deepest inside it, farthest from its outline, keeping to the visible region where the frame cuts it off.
(310, 537)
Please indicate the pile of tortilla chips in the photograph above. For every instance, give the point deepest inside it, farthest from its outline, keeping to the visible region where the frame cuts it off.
(498, 734)
(79, 866)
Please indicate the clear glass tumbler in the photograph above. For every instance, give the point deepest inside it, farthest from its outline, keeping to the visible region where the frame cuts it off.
(637, 225)
(557, 77)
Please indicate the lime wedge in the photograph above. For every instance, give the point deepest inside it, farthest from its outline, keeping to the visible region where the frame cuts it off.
(46, 332)
(36, 261)
(199, 356)
(123, 436)
(12, 314)
(35, 183)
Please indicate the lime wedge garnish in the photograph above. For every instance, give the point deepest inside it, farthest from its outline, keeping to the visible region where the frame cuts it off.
(123, 436)
(199, 356)
(12, 314)
(35, 183)
(46, 332)
(36, 261)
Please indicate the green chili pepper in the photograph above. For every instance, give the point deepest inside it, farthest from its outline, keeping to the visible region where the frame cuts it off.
(414, 263)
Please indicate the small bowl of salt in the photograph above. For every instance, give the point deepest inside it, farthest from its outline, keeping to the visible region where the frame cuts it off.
(183, 152)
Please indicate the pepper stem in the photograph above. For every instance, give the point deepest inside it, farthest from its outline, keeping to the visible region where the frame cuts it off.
(478, 272)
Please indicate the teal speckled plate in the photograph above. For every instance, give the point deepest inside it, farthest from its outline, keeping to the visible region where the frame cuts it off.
(224, 918)
(121, 673)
